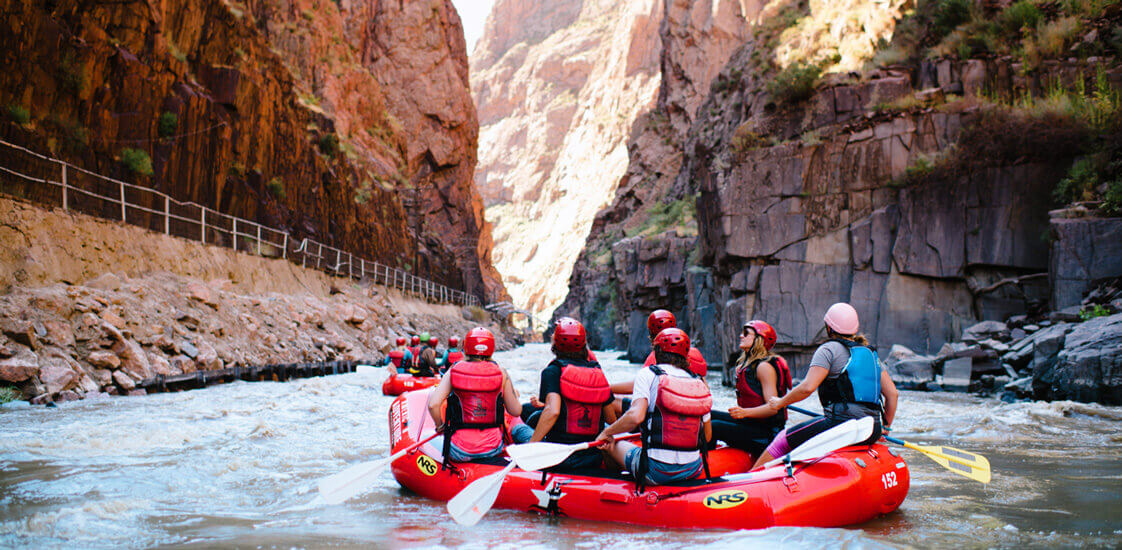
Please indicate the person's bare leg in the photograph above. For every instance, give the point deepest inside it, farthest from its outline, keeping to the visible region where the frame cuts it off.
(618, 453)
(764, 459)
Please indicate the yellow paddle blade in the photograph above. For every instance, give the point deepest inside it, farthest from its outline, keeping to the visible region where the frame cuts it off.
(963, 463)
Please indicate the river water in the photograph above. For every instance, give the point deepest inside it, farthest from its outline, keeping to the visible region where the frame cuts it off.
(237, 465)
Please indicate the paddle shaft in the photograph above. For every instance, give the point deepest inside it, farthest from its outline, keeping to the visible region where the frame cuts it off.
(410, 448)
(891, 439)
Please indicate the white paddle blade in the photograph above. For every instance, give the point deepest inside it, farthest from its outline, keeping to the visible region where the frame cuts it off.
(535, 456)
(475, 500)
(340, 487)
(843, 435)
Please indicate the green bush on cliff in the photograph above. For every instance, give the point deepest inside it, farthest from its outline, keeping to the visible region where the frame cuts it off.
(167, 124)
(1080, 183)
(18, 114)
(276, 187)
(795, 83)
(136, 160)
(1022, 16)
(949, 14)
(328, 145)
(8, 394)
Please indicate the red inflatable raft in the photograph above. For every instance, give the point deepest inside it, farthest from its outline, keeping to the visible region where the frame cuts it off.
(847, 487)
(399, 383)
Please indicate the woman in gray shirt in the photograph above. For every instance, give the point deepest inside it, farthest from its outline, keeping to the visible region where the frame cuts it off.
(850, 383)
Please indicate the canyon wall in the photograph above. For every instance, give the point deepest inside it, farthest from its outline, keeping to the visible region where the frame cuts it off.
(348, 122)
(903, 190)
(558, 86)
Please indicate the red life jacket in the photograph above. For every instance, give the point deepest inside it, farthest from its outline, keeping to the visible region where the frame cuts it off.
(415, 351)
(749, 392)
(396, 356)
(454, 356)
(696, 359)
(477, 393)
(584, 391)
(679, 407)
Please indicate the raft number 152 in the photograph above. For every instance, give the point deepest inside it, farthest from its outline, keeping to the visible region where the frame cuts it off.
(889, 479)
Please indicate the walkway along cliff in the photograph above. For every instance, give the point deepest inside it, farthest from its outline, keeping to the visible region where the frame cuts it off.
(868, 160)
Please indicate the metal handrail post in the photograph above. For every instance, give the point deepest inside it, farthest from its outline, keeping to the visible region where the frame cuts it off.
(65, 202)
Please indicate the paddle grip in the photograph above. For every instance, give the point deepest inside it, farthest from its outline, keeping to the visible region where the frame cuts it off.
(623, 437)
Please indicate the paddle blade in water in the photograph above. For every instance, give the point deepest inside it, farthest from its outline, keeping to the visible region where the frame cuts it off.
(351, 482)
(475, 500)
(963, 463)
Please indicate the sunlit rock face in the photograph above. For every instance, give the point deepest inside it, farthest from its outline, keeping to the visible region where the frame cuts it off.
(557, 86)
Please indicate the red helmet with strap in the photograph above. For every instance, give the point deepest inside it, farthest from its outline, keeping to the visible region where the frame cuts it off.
(433, 341)
(479, 341)
(764, 331)
(453, 341)
(415, 340)
(660, 319)
(400, 341)
(673, 340)
(569, 336)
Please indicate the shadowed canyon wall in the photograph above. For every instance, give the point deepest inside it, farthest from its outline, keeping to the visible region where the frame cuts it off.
(349, 122)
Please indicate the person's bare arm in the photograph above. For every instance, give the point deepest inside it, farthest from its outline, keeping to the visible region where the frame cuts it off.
(768, 382)
(814, 378)
(888, 389)
(609, 413)
(623, 388)
(510, 396)
(548, 417)
(436, 399)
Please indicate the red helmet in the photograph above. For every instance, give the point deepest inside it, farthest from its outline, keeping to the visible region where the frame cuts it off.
(673, 340)
(660, 319)
(415, 340)
(400, 341)
(433, 341)
(569, 336)
(479, 341)
(763, 330)
(453, 341)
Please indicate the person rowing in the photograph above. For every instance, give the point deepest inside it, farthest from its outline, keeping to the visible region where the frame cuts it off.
(760, 375)
(671, 404)
(850, 383)
(477, 390)
(398, 360)
(576, 396)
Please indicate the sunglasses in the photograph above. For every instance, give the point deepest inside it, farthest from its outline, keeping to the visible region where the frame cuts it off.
(746, 331)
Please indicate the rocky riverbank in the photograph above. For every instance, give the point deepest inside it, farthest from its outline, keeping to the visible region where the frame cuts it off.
(1073, 354)
(72, 341)
(91, 307)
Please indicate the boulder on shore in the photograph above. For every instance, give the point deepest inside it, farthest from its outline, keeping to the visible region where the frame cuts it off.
(1088, 368)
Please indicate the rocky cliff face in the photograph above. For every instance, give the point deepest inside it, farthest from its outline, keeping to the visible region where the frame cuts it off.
(845, 193)
(558, 86)
(349, 122)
